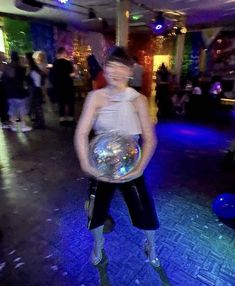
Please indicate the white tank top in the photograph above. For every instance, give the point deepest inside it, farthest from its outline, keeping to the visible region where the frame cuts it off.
(120, 115)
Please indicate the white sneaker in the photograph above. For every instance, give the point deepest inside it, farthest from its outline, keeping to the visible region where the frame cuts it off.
(6, 126)
(14, 127)
(62, 119)
(25, 128)
(70, 118)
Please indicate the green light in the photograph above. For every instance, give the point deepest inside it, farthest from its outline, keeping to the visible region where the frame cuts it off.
(136, 17)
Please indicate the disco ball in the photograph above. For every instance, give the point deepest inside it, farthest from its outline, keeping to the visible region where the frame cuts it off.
(114, 155)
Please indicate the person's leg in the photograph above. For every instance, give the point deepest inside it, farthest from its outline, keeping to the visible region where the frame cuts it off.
(143, 213)
(140, 204)
(61, 94)
(12, 112)
(98, 245)
(39, 116)
(3, 106)
(101, 194)
(23, 114)
(62, 107)
(70, 114)
(150, 248)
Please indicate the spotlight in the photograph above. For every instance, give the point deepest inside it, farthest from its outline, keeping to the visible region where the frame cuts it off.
(91, 14)
(158, 27)
(62, 1)
(159, 21)
(158, 24)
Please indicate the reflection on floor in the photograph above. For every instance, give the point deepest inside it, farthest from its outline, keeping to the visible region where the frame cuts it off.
(44, 237)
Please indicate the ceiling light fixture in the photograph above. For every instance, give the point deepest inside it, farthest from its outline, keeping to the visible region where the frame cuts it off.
(136, 17)
(158, 23)
(91, 14)
(29, 5)
(63, 1)
(183, 30)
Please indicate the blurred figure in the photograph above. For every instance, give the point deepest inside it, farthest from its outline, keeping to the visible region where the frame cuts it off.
(41, 61)
(96, 73)
(216, 87)
(119, 108)
(228, 162)
(173, 85)
(15, 86)
(138, 72)
(196, 104)
(162, 88)
(62, 79)
(179, 101)
(35, 84)
(3, 98)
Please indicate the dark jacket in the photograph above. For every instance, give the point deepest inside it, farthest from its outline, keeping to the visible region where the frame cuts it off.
(15, 81)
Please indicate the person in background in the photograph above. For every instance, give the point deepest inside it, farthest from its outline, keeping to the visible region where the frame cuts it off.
(122, 109)
(174, 86)
(96, 73)
(137, 76)
(4, 119)
(15, 85)
(62, 80)
(228, 162)
(162, 88)
(35, 86)
(41, 61)
(179, 101)
(196, 103)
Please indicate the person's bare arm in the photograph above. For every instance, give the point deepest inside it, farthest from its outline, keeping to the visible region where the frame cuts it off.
(82, 132)
(148, 136)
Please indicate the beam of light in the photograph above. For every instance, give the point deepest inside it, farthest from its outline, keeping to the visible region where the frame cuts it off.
(4, 153)
(5, 163)
(2, 44)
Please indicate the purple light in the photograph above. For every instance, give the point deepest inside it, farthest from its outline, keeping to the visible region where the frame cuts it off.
(62, 1)
(158, 27)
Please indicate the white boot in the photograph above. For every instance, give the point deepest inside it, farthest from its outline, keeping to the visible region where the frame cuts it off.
(14, 126)
(149, 248)
(96, 254)
(24, 127)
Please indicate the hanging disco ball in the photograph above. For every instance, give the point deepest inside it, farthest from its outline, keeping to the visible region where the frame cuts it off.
(114, 155)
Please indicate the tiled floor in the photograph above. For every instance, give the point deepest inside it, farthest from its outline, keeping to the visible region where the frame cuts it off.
(44, 237)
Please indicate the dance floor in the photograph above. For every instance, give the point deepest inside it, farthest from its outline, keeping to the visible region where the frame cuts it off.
(44, 240)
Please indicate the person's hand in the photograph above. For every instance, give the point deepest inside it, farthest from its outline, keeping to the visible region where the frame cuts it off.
(91, 171)
(136, 173)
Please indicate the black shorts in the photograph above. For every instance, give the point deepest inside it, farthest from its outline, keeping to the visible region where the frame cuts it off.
(138, 199)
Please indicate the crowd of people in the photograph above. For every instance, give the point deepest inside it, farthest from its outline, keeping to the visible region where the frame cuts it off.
(192, 96)
(26, 82)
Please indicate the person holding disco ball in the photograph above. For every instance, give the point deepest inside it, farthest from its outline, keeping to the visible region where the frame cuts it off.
(119, 116)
